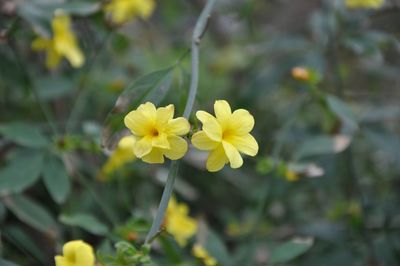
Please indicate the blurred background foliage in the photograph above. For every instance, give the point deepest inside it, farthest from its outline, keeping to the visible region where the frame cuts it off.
(321, 80)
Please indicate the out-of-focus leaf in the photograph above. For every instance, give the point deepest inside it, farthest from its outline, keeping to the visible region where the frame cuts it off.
(24, 134)
(216, 248)
(4, 262)
(86, 222)
(3, 212)
(290, 250)
(56, 179)
(322, 145)
(38, 17)
(343, 112)
(81, 8)
(24, 242)
(51, 87)
(22, 172)
(31, 213)
(151, 87)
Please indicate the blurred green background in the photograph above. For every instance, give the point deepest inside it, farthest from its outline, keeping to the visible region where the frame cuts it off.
(324, 188)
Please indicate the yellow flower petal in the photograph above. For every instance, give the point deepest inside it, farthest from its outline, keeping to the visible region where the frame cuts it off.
(53, 58)
(242, 121)
(148, 110)
(161, 141)
(201, 141)
(178, 148)
(164, 114)
(61, 261)
(246, 144)
(178, 126)
(41, 44)
(233, 155)
(155, 156)
(222, 112)
(75, 56)
(143, 147)
(210, 125)
(216, 159)
(77, 252)
(137, 122)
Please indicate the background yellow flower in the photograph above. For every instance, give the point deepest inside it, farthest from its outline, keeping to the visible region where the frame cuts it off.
(364, 3)
(157, 133)
(121, 155)
(200, 252)
(178, 222)
(63, 43)
(76, 253)
(225, 136)
(122, 11)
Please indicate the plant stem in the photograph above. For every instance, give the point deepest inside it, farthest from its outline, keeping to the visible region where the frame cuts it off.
(198, 32)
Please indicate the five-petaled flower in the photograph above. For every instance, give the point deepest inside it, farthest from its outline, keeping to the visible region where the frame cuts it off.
(63, 43)
(364, 3)
(178, 223)
(122, 11)
(76, 253)
(225, 136)
(157, 133)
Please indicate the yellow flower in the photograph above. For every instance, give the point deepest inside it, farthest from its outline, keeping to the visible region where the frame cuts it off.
(76, 253)
(122, 11)
(301, 73)
(291, 176)
(63, 43)
(178, 223)
(200, 252)
(225, 136)
(364, 3)
(121, 155)
(157, 133)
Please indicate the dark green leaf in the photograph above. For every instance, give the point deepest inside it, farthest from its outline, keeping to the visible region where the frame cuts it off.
(217, 249)
(56, 179)
(4, 262)
(86, 222)
(24, 134)
(24, 242)
(343, 112)
(151, 87)
(31, 213)
(322, 145)
(22, 172)
(290, 250)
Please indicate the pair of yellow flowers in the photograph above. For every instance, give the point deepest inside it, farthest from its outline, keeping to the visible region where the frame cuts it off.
(156, 134)
(64, 43)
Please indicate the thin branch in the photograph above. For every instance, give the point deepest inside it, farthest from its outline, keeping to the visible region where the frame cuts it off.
(173, 171)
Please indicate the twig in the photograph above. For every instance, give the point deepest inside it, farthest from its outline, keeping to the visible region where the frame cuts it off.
(197, 34)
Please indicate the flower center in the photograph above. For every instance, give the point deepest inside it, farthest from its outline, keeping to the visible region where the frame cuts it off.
(154, 132)
(226, 134)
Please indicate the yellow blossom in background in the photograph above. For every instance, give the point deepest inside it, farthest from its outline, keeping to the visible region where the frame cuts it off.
(76, 253)
(63, 43)
(157, 133)
(122, 11)
(178, 223)
(225, 136)
(122, 155)
(291, 176)
(200, 252)
(364, 3)
(301, 73)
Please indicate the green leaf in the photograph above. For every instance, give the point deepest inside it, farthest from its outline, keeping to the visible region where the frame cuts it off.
(151, 87)
(22, 172)
(343, 112)
(4, 262)
(80, 8)
(322, 145)
(217, 249)
(24, 242)
(86, 222)
(24, 134)
(31, 213)
(56, 179)
(290, 250)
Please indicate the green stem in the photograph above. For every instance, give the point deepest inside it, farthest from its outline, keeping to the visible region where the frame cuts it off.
(198, 32)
